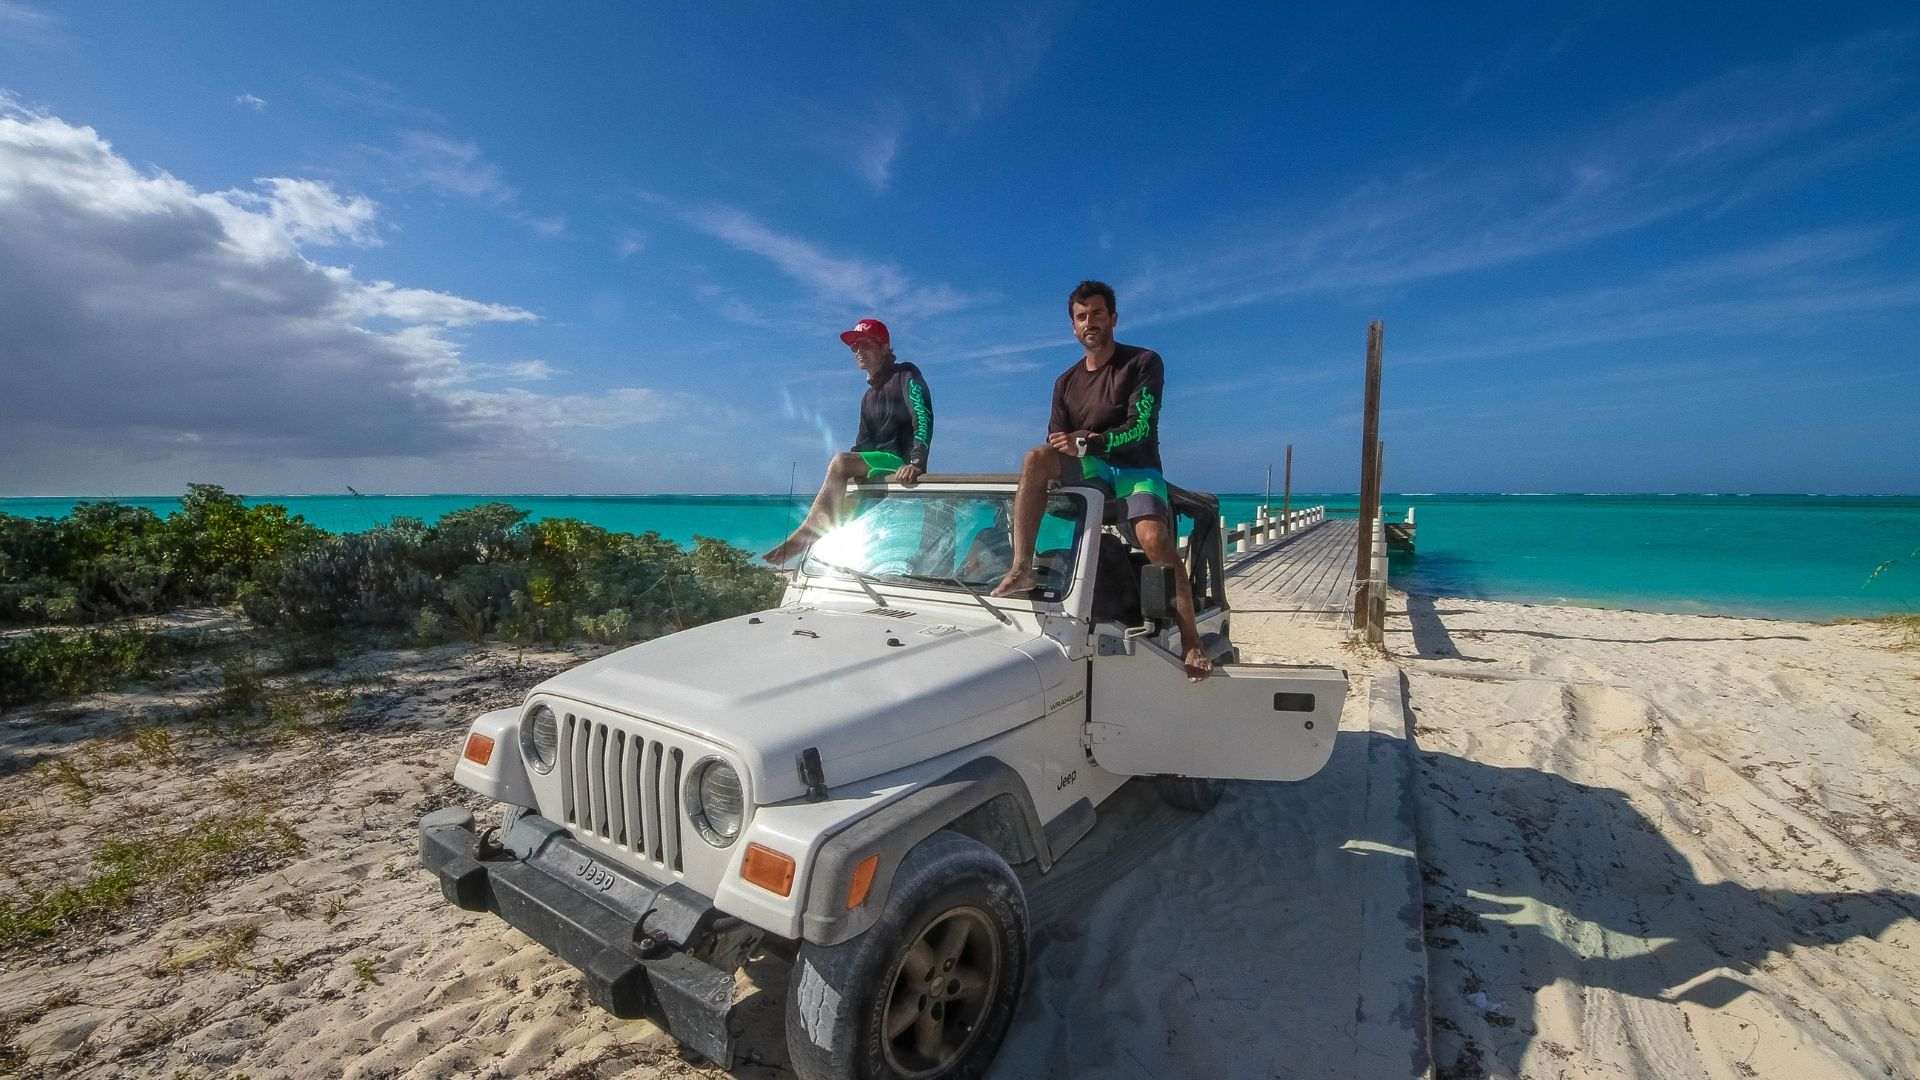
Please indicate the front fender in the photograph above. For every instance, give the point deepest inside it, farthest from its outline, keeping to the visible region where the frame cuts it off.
(896, 828)
(504, 776)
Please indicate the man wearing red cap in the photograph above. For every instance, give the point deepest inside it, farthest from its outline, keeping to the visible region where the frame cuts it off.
(896, 432)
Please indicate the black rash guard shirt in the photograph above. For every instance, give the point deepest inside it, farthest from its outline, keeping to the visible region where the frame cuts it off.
(1120, 404)
(896, 415)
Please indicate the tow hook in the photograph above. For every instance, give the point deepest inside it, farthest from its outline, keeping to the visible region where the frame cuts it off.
(488, 844)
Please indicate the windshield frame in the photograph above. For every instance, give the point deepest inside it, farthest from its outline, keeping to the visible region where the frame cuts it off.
(810, 568)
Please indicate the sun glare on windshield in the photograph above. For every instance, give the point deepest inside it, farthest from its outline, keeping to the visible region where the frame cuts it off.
(934, 538)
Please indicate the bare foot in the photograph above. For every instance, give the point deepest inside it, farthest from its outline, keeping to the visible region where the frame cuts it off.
(1197, 665)
(782, 553)
(1015, 583)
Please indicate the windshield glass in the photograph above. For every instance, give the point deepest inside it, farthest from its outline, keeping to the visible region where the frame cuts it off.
(925, 537)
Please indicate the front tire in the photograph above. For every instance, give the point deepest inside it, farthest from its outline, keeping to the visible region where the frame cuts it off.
(928, 991)
(1196, 793)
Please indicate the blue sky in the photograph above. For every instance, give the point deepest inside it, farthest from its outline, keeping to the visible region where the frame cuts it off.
(599, 248)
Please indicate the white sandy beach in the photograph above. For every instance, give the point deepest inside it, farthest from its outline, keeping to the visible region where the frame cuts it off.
(1652, 845)
(1673, 846)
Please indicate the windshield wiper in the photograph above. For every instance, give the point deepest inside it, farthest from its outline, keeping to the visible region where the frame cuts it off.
(970, 590)
(860, 578)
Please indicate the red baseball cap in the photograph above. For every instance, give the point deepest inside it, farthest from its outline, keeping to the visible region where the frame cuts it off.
(867, 330)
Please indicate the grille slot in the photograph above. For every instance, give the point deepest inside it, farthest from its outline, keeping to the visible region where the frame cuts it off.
(889, 612)
(623, 789)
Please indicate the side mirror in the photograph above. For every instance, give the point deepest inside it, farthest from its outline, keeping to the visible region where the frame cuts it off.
(1157, 592)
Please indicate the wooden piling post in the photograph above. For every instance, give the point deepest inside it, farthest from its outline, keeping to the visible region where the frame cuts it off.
(1286, 495)
(1369, 480)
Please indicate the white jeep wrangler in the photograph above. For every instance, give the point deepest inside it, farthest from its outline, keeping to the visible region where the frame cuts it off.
(852, 776)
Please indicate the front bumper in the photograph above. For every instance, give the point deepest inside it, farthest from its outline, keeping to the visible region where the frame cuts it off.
(628, 935)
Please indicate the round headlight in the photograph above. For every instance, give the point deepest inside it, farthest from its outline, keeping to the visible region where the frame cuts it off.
(540, 738)
(715, 802)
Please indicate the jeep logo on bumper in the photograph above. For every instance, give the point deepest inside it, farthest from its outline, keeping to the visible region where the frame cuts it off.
(594, 874)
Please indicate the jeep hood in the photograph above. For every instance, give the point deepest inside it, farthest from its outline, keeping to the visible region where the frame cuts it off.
(872, 692)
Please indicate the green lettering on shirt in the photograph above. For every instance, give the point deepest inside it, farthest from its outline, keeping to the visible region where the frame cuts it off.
(1142, 424)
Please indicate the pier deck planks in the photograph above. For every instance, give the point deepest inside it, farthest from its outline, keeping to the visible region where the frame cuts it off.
(1307, 576)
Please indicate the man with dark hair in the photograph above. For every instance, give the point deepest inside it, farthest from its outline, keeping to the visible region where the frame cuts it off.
(1106, 427)
(895, 436)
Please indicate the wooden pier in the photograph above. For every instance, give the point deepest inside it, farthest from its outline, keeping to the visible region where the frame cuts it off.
(1308, 568)
(1306, 575)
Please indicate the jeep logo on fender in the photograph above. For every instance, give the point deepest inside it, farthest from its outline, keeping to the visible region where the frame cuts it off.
(594, 874)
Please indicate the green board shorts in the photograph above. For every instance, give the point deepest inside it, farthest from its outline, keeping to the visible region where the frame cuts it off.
(881, 463)
(1142, 491)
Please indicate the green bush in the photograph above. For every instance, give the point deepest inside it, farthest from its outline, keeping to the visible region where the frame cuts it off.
(216, 542)
(52, 663)
(367, 579)
(477, 572)
(105, 560)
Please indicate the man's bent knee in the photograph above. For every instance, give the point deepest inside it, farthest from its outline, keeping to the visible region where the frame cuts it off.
(1157, 541)
(847, 466)
(1045, 463)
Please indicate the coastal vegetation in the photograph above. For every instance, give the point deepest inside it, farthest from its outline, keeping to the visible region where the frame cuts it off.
(1908, 627)
(148, 868)
(480, 573)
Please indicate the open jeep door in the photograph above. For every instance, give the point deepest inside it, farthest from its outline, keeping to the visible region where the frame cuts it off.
(1245, 722)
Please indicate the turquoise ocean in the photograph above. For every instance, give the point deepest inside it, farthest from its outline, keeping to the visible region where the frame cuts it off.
(1785, 556)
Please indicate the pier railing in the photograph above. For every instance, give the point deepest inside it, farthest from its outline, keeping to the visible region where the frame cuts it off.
(1265, 528)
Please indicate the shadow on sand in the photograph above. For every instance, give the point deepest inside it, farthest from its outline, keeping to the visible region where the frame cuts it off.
(1578, 887)
(1172, 945)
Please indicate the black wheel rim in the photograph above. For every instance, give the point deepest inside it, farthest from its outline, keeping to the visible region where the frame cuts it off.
(942, 989)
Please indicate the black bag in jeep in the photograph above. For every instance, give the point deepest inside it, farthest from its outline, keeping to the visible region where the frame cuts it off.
(1116, 582)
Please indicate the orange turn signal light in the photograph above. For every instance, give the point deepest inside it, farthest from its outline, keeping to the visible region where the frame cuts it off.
(768, 869)
(479, 749)
(862, 881)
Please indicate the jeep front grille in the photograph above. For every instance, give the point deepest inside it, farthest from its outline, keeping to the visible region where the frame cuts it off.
(622, 788)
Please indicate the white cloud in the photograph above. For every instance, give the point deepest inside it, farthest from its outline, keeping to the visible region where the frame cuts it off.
(929, 70)
(1770, 288)
(385, 300)
(870, 285)
(250, 101)
(455, 166)
(364, 93)
(867, 147)
(311, 213)
(875, 157)
(1692, 152)
(973, 59)
(617, 408)
(142, 318)
(631, 242)
(24, 23)
(17, 14)
(459, 167)
(513, 371)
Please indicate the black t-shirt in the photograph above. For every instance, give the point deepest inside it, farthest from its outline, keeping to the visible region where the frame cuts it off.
(896, 415)
(1120, 404)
